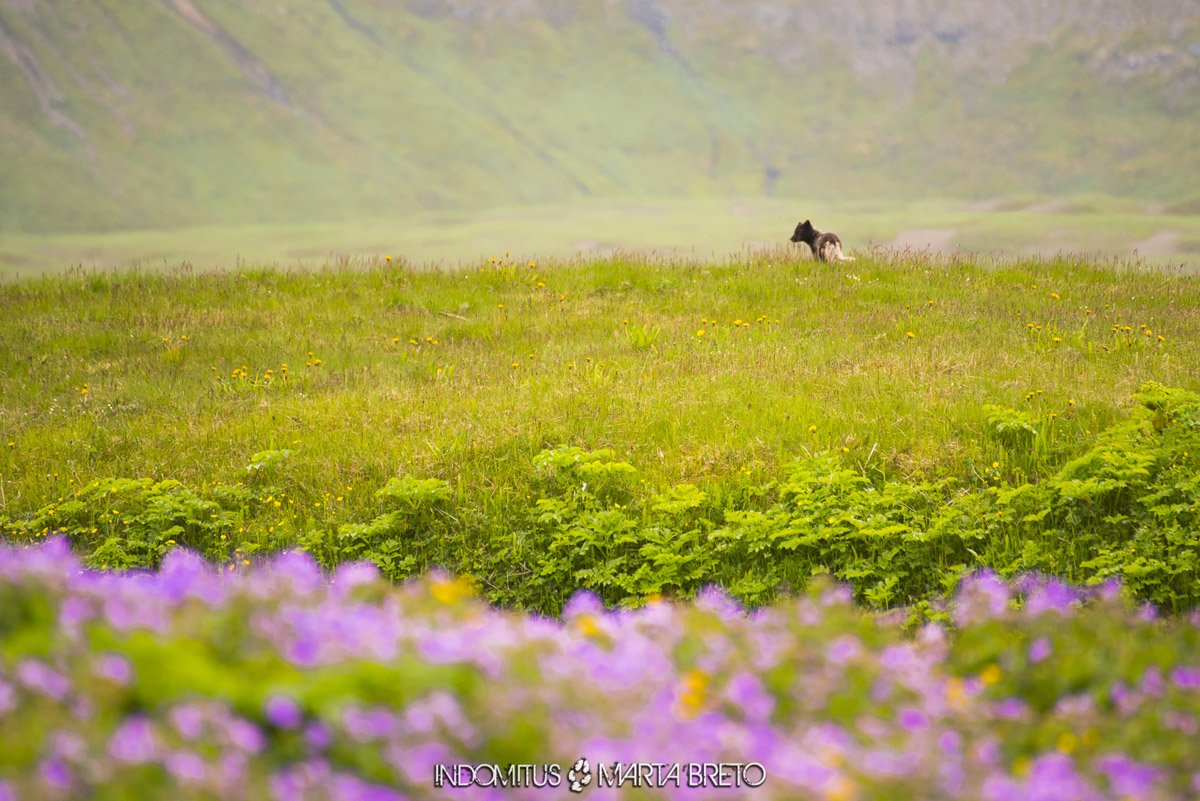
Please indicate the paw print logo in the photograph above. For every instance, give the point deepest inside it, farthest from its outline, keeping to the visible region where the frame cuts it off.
(580, 775)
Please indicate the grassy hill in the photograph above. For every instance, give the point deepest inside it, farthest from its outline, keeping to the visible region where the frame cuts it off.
(185, 113)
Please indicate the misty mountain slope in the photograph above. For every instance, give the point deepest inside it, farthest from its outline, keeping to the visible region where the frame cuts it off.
(147, 114)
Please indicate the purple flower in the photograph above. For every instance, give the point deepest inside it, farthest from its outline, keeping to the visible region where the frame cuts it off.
(843, 649)
(8, 697)
(1152, 681)
(245, 735)
(185, 766)
(318, 736)
(583, 602)
(747, 692)
(115, 668)
(1052, 596)
(56, 773)
(369, 724)
(1127, 777)
(282, 712)
(40, 677)
(133, 741)
(188, 721)
(1039, 650)
(912, 719)
(1186, 678)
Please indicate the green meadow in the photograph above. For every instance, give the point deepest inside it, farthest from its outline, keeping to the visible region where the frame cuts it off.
(1098, 226)
(637, 424)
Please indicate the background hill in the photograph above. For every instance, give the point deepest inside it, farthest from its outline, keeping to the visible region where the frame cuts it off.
(134, 115)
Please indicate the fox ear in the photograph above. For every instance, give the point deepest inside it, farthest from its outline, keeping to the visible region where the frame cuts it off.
(806, 222)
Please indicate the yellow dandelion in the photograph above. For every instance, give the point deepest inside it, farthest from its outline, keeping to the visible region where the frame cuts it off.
(991, 674)
(693, 692)
(911, 335)
(841, 788)
(956, 693)
(1066, 743)
(700, 332)
(587, 626)
(451, 591)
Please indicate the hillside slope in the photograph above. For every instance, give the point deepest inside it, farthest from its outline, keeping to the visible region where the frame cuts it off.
(184, 112)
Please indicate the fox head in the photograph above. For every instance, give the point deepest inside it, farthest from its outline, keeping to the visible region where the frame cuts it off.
(803, 233)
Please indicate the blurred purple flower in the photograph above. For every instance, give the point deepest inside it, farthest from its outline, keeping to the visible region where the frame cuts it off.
(746, 690)
(40, 677)
(369, 724)
(115, 668)
(843, 649)
(583, 602)
(1051, 595)
(188, 720)
(1039, 649)
(245, 735)
(8, 697)
(1152, 681)
(346, 787)
(351, 575)
(1127, 777)
(912, 719)
(283, 712)
(186, 767)
(318, 736)
(133, 741)
(1186, 678)
(55, 772)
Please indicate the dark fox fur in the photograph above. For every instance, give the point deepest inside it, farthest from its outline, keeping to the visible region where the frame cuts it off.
(826, 247)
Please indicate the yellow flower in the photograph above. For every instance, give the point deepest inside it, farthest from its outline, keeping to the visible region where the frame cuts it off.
(910, 335)
(991, 674)
(451, 591)
(956, 693)
(812, 429)
(693, 690)
(841, 788)
(700, 332)
(1066, 743)
(587, 626)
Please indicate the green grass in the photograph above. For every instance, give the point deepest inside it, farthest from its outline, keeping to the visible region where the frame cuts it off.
(716, 374)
